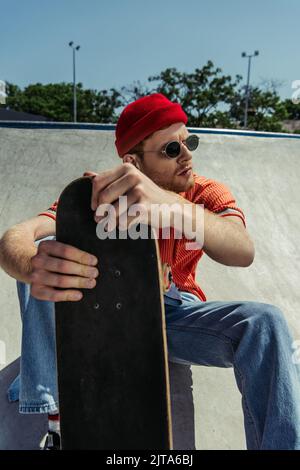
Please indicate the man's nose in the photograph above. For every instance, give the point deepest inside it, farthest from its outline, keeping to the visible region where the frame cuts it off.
(186, 155)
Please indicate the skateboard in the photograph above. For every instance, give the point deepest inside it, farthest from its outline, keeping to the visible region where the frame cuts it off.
(112, 367)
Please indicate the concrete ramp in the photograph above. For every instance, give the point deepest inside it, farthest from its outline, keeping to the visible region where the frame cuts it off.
(263, 172)
(18, 431)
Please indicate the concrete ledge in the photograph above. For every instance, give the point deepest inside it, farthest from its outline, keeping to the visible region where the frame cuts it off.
(24, 432)
(17, 431)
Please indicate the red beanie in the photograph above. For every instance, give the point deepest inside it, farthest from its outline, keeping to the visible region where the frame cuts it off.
(143, 117)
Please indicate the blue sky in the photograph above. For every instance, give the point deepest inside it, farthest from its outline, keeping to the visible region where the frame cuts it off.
(124, 41)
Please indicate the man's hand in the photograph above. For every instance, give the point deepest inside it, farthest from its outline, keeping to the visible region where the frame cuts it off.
(59, 266)
(127, 180)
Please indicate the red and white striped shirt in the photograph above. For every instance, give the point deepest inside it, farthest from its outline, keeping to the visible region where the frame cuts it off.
(217, 198)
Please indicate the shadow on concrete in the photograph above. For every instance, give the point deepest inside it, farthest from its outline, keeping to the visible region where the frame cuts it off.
(25, 431)
(182, 405)
(17, 431)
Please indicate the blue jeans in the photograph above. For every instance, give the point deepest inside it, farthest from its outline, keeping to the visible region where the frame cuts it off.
(251, 337)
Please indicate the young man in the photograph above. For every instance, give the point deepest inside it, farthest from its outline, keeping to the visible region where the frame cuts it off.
(252, 337)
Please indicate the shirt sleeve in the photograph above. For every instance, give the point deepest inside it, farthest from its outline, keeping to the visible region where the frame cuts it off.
(217, 198)
(51, 212)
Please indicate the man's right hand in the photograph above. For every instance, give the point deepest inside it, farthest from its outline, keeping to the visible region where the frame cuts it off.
(60, 270)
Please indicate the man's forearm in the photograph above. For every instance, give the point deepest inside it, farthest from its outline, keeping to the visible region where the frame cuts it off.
(224, 241)
(16, 250)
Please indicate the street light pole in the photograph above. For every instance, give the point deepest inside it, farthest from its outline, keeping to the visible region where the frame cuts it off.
(75, 48)
(256, 53)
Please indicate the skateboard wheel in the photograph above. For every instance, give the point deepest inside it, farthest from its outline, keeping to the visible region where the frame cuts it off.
(119, 306)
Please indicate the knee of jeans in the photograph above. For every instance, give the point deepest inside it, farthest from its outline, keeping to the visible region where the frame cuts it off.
(270, 317)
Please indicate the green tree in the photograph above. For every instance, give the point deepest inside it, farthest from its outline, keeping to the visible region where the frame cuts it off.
(14, 96)
(134, 91)
(265, 112)
(204, 94)
(210, 99)
(292, 109)
(55, 101)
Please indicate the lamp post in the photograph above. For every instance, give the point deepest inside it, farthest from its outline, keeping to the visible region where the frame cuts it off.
(75, 48)
(256, 53)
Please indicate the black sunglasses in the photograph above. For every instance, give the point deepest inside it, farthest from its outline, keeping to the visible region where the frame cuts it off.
(174, 149)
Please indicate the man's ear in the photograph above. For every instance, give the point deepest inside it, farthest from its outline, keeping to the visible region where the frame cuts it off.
(130, 158)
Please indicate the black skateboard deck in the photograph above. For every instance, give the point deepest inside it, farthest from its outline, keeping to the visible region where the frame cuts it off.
(111, 346)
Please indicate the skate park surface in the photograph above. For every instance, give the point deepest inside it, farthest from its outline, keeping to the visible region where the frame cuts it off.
(262, 170)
